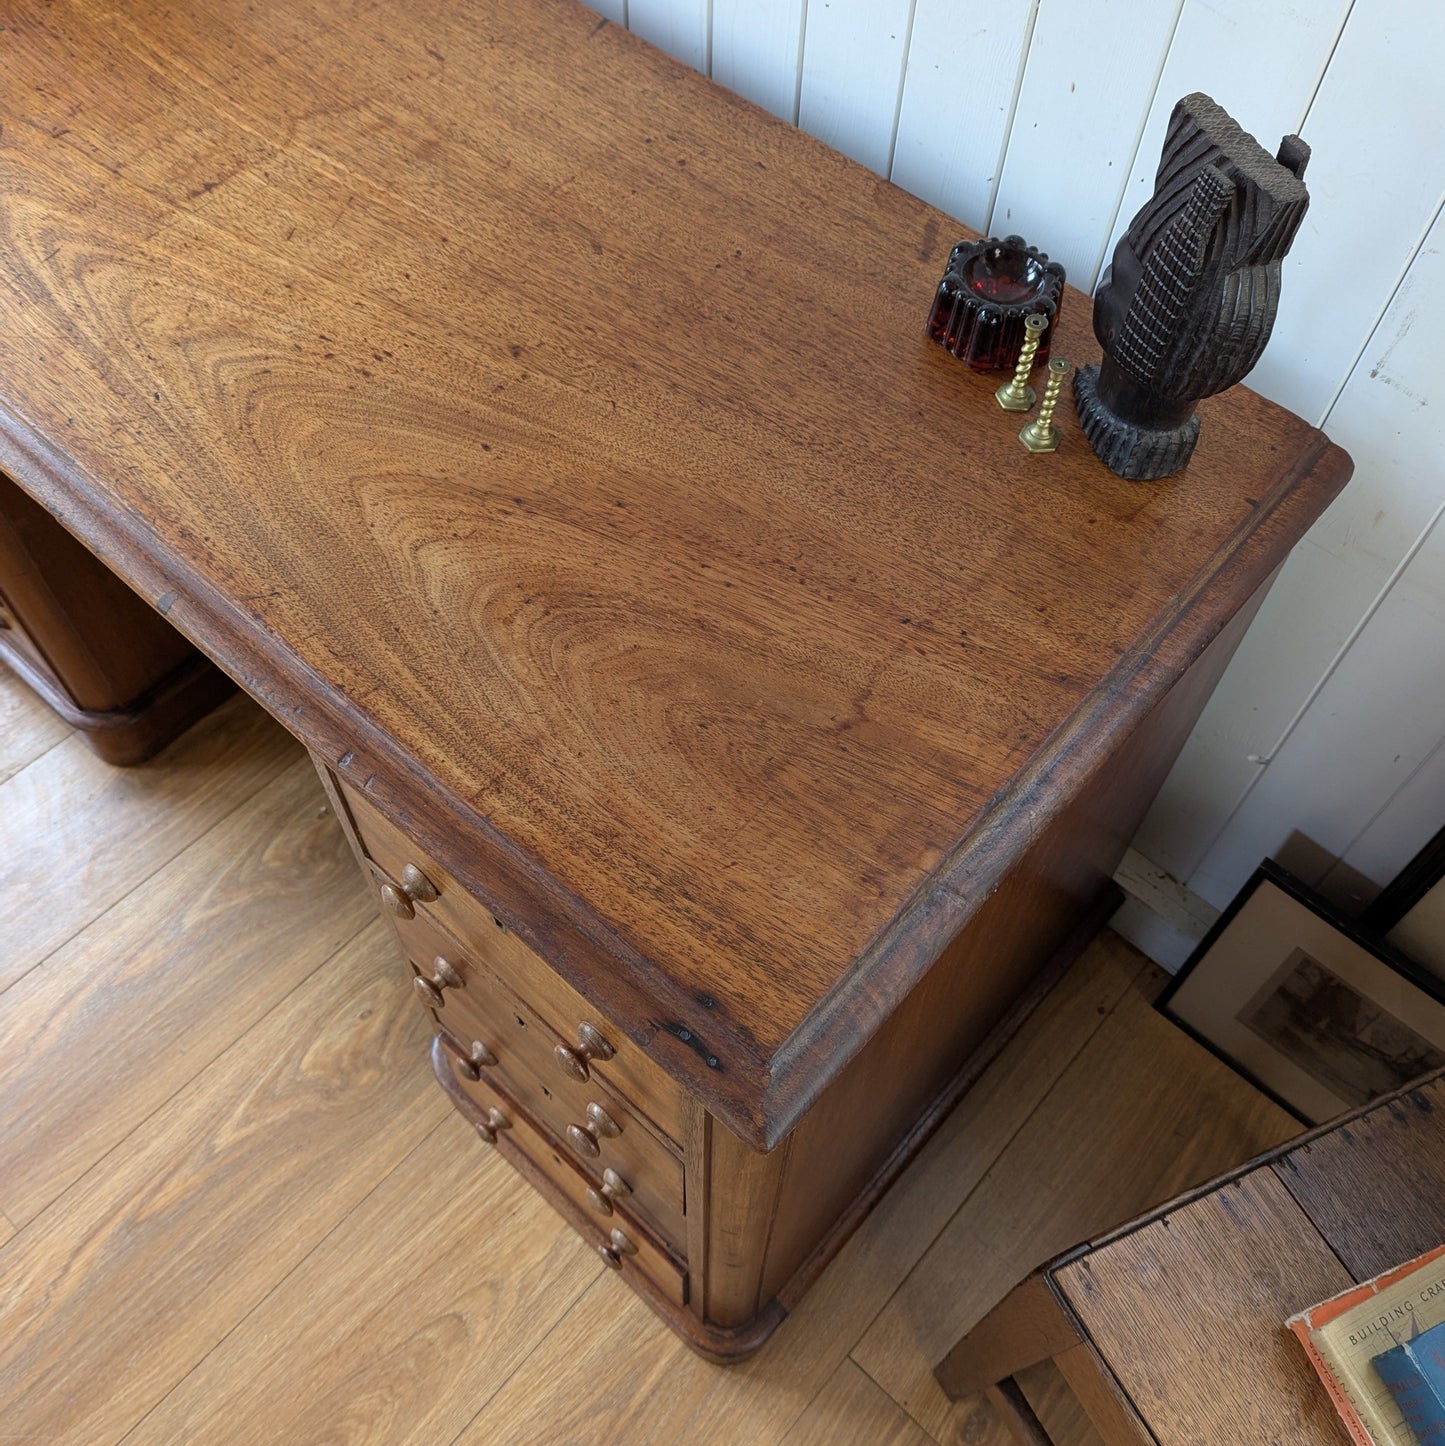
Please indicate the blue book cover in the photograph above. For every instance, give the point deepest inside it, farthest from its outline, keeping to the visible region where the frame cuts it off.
(1414, 1371)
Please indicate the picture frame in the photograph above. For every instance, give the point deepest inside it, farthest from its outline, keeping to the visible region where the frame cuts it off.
(1312, 1009)
(1410, 912)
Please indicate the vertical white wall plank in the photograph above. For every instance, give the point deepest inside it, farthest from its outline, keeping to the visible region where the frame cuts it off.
(852, 70)
(1375, 179)
(757, 50)
(613, 10)
(1413, 816)
(1088, 82)
(677, 26)
(958, 91)
(1261, 63)
(1374, 723)
(1391, 419)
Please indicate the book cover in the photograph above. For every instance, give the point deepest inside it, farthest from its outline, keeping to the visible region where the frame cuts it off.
(1342, 1336)
(1414, 1371)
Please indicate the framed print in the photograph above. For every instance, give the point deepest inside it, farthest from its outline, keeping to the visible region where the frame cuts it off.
(1410, 913)
(1312, 1010)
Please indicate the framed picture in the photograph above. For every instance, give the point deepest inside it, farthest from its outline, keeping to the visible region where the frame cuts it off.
(1314, 1011)
(1410, 913)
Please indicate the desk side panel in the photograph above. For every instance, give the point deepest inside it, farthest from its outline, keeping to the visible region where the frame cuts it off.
(882, 1107)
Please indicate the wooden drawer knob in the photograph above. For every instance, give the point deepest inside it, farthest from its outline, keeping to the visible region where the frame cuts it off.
(415, 888)
(613, 1187)
(591, 1044)
(488, 1127)
(471, 1063)
(429, 991)
(585, 1139)
(617, 1246)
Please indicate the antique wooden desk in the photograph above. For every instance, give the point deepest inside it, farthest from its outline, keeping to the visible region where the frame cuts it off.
(732, 716)
(1171, 1328)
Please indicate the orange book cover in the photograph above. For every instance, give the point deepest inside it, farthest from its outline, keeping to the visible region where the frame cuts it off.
(1353, 1404)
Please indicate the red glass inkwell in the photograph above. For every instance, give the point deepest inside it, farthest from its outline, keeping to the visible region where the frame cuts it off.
(988, 288)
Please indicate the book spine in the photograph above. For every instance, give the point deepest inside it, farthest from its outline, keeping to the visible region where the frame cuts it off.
(1342, 1403)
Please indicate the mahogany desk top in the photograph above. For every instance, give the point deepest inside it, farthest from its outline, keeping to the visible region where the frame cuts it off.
(549, 438)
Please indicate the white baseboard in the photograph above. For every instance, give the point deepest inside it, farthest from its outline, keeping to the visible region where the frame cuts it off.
(1159, 916)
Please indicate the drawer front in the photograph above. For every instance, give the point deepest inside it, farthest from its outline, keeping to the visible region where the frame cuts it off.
(489, 1031)
(623, 1243)
(627, 1069)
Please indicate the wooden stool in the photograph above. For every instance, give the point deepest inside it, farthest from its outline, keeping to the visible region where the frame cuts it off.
(1170, 1329)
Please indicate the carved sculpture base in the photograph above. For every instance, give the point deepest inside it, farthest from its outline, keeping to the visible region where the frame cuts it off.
(1139, 453)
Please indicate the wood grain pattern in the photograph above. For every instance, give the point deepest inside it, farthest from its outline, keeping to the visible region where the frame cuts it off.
(497, 946)
(643, 1256)
(1011, 1405)
(1261, 1262)
(852, 1411)
(378, 1335)
(1026, 1327)
(226, 1190)
(659, 1389)
(1350, 88)
(1057, 1406)
(924, 1054)
(1104, 1401)
(682, 611)
(1404, 1145)
(177, 971)
(1189, 1115)
(27, 727)
(87, 833)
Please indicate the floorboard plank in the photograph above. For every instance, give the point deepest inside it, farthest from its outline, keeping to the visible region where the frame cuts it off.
(244, 1211)
(411, 1313)
(113, 1295)
(27, 727)
(851, 1410)
(111, 1024)
(1057, 1406)
(1140, 1114)
(611, 1371)
(81, 834)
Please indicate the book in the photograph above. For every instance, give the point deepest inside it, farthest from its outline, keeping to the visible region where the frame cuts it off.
(1344, 1334)
(1414, 1371)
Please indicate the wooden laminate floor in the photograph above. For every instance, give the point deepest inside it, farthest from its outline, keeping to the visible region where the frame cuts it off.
(235, 1207)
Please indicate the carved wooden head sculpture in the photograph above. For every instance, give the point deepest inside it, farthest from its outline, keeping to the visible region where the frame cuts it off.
(1187, 306)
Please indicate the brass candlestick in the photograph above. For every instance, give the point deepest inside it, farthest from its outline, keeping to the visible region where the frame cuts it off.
(1017, 395)
(1041, 435)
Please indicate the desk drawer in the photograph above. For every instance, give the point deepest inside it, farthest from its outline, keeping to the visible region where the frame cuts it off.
(491, 1033)
(620, 1239)
(585, 1034)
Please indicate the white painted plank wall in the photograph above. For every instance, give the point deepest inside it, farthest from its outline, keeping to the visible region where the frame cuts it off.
(959, 89)
(1089, 80)
(757, 50)
(680, 27)
(853, 76)
(1320, 618)
(1045, 117)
